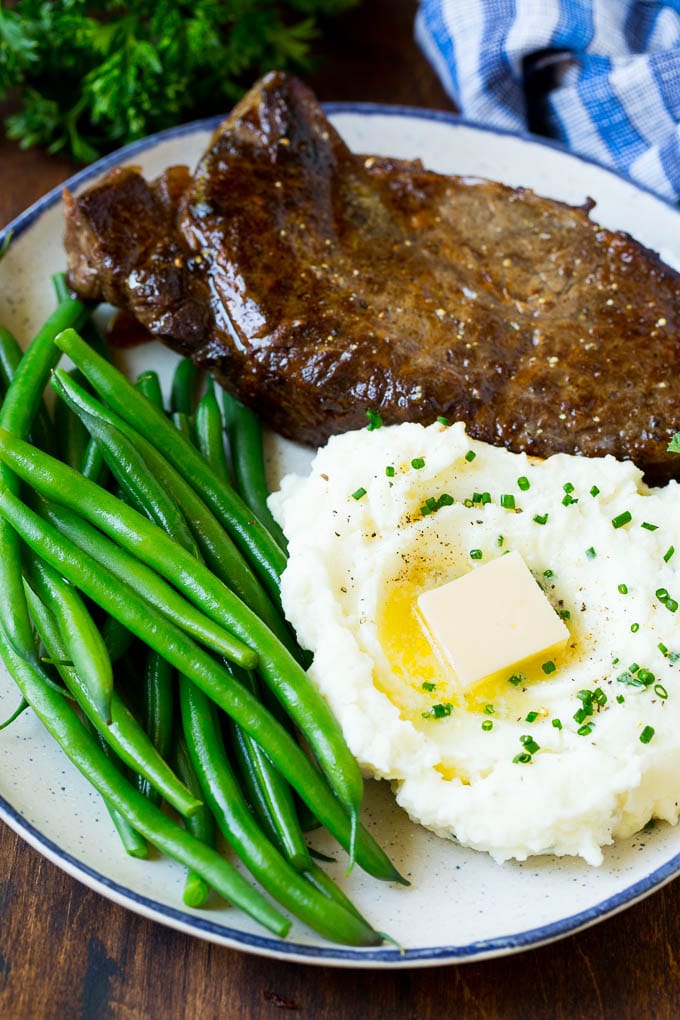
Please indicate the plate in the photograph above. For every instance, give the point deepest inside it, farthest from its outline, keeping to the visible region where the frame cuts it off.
(460, 905)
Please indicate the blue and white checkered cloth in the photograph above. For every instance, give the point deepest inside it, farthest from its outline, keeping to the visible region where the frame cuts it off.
(600, 76)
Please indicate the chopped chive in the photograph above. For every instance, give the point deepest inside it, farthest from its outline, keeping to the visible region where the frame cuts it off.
(568, 487)
(649, 527)
(565, 614)
(358, 493)
(646, 734)
(499, 541)
(623, 589)
(584, 731)
(389, 470)
(548, 667)
(516, 679)
(442, 420)
(591, 553)
(489, 709)
(633, 668)
(621, 519)
(634, 627)
(669, 552)
(470, 456)
(541, 518)
(374, 420)
(523, 483)
(557, 723)
(660, 691)
(487, 725)
(594, 491)
(531, 717)
(646, 677)
(568, 500)
(529, 744)
(442, 710)
(418, 462)
(521, 759)
(662, 648)
(620, 698)
(548, 573)
(476, 554)
(428, 686)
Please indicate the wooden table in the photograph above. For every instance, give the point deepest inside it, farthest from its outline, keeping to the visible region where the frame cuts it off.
(65, 952)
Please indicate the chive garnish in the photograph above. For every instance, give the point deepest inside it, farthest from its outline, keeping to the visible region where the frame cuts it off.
(358, 493)
(669, 552)
(389, 471)
(548, 667)
(621, 519)
(594, 491)
(565, 614)
(634, 627)
(487, 725)
(660, 691)
(649, 527)
(541, 518)
(418, 462)
(442, 420)
(557, 723)
(529, 744)
(516, 679)
(623, 589)
(590, 553)
(374, 420)
(584, 731)
(428, 686)
(476, 554)
(523, 483)
(646, 734)
(470, 456)
(531, 717)
(521, 759)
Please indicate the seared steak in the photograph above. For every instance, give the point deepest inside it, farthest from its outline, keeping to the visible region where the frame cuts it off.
(317, 284)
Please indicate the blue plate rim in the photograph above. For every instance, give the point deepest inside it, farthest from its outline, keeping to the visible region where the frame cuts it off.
(237, 938)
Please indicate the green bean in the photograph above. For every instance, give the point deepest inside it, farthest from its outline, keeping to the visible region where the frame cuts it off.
(269, 793)
(132, 473)
(253, 539)
(325, 884)
(210, 433)
(222, 792)
(245, 442)
(42, 428)
(215, 545)
(189, 658)
(183, 424)
(146, 582)
(117, 638)
(17, 414)
(72, 437)
(149, 384)
(62, 723)
(132, 841)
(123, 734)
(276, 665)
(184, 387)
(157, 708)
(83, 643)
(201, 825)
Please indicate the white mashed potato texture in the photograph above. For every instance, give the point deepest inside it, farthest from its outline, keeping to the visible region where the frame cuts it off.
(527, 763)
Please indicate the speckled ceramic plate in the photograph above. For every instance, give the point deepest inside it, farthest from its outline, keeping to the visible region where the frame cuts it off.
(460, 905)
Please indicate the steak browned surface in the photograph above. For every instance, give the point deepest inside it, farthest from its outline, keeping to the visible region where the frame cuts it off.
(317, 284)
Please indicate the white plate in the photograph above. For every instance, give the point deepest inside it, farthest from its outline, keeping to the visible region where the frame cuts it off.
(460, 906)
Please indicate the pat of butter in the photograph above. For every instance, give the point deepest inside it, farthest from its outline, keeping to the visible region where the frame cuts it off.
(493, 620)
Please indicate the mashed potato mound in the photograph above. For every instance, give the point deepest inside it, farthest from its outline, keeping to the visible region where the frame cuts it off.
(529, 763)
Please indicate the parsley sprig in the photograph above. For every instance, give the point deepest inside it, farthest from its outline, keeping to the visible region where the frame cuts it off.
(91, 76)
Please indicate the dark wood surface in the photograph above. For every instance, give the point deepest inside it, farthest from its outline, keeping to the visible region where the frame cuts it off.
(65, 952)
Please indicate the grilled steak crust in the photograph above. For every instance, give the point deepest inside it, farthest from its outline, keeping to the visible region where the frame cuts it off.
(317, 284)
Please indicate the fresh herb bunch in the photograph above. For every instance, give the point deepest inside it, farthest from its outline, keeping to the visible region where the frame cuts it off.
(92, 76)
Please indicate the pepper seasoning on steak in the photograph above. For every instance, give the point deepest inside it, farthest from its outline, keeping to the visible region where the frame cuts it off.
(317, 284)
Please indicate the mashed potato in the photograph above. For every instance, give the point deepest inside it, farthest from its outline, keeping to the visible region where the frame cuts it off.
(528, 764)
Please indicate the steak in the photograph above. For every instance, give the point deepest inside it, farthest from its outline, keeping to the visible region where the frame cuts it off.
(317, 284)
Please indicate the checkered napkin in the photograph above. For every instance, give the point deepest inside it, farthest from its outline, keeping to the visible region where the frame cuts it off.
(600, 76)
